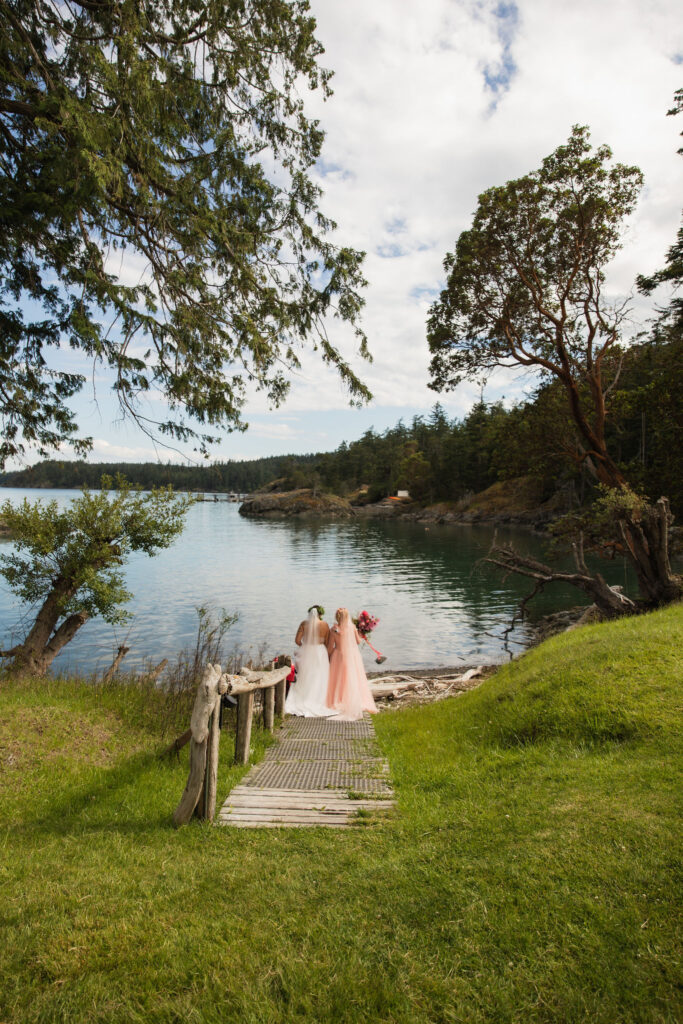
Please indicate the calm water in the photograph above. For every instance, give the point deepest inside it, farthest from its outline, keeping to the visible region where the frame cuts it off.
(436, 604)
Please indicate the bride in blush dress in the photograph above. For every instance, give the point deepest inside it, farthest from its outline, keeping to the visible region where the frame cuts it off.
(348, 691)
(307, 695)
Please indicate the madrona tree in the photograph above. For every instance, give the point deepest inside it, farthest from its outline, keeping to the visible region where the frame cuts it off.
(158, 213)
(66, 562)
(526, 288)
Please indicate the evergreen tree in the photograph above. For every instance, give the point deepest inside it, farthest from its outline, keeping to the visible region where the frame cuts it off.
(170, 134)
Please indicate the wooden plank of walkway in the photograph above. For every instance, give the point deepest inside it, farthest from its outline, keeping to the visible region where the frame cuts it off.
(319, 773)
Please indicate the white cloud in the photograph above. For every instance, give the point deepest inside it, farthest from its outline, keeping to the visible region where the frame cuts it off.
(413, 140)
(277, 430)
(104, 451)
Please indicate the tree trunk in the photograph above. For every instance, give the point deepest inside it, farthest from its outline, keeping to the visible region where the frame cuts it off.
(647, 546)
(646, 538)
(35, 655)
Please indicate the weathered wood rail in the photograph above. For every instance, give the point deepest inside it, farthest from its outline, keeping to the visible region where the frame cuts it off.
(199, 794)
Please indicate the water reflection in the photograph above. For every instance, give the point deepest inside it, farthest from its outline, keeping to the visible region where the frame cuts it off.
(438, 604)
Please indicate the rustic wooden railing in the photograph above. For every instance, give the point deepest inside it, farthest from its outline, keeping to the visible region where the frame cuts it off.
(204, 732)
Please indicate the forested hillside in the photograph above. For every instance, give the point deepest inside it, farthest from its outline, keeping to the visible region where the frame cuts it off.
(442, 459)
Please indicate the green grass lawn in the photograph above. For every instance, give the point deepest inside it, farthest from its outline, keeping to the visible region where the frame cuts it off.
(530, 872)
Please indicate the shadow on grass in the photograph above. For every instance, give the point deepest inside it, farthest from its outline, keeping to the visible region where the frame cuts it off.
(107, 804)
(136, 795)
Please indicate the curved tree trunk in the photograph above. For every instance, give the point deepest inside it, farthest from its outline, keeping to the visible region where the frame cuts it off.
(647, 547)
(45, 639)
(646, 538)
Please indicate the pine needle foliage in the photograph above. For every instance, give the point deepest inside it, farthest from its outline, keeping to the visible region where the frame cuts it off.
(158, 212)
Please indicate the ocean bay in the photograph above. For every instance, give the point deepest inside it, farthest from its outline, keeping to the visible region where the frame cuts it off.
(437, 603)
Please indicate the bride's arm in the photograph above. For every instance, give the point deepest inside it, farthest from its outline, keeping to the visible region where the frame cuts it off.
(299, 634)
(331, 640)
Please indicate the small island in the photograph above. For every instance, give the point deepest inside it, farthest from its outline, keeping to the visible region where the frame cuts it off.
(304, 501)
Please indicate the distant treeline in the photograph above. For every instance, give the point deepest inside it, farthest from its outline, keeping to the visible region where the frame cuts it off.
(241, 477)
(442, 459)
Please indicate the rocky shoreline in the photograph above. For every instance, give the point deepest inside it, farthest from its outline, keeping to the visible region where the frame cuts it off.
(535, 519)
(507, 503)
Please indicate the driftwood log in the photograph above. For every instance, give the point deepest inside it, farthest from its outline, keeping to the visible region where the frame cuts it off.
(269, 708)
(245, 712)
(178, 743)
(157, 670)
(280, 696)
(399, 687)
(121, 653)
(247, 680)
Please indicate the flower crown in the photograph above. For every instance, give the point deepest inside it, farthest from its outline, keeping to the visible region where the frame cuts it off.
(319, 608)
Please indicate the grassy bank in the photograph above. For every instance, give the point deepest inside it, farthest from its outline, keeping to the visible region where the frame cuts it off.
(530, 873)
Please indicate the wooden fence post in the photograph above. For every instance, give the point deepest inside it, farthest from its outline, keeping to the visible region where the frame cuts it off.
(199, 810)
(193, 788)
(211, 777)
(212, 685)
(245, 710)
(269, 708)
(280, 694)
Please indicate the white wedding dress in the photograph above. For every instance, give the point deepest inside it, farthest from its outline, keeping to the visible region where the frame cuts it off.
(307, 696)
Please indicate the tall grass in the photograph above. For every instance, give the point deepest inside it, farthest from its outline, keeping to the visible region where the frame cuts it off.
(179, 683)
(164, 704)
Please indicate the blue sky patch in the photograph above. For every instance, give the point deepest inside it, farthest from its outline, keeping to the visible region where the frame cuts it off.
(396, 226)
(326, 169)
(499, 76)
(390, 252)
(422, 292)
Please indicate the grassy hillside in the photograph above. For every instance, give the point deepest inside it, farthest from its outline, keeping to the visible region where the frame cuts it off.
(530, 873)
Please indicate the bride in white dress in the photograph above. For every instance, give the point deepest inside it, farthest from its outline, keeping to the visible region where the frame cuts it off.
(307, 696)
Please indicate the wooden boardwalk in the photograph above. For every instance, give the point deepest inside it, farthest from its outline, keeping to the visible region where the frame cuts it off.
(319, 772)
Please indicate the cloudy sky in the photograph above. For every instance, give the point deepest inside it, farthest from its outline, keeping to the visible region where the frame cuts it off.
(435, 101)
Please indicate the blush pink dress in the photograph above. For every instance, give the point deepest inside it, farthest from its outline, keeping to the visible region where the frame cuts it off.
(348, 691)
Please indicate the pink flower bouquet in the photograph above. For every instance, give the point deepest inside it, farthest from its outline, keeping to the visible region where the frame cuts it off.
(365, 623)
